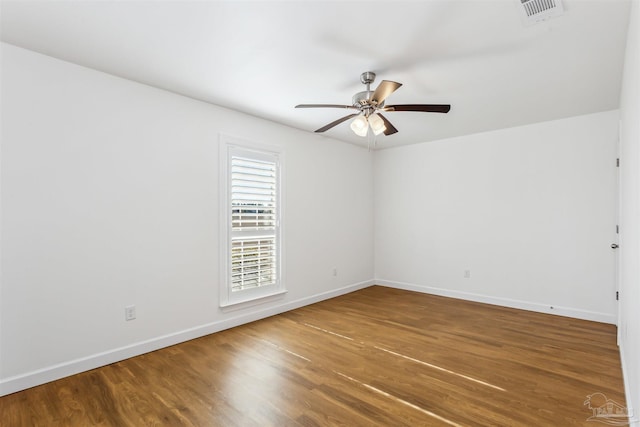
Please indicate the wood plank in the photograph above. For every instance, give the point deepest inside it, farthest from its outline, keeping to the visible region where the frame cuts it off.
(378, 356)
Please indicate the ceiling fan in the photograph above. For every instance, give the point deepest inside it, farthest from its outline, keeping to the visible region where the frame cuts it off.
(370, 105)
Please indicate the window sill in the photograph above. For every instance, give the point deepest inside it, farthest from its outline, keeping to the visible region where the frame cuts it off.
(252, 301)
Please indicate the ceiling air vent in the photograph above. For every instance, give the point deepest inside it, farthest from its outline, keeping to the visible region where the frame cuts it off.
(534, 11)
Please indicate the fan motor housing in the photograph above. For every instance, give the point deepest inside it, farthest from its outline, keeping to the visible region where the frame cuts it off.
(361, 99)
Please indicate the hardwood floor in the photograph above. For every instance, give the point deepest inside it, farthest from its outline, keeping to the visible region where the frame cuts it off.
(376, 357)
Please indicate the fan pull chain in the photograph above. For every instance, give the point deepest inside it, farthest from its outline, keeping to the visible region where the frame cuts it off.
(371, 141)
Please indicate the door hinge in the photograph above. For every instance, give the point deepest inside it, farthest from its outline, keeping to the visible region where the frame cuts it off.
(617, 229)
(617, 295)
(618, 162)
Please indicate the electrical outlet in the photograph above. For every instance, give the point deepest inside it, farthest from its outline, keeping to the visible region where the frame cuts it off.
(334, 272)
(130, 312)
(467, 274)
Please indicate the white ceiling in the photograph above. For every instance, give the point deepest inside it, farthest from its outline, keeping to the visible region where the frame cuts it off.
(264, 57)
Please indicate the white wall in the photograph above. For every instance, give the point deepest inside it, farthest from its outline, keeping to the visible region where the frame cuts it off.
(110, 198)
(530, 211)
(629, 326)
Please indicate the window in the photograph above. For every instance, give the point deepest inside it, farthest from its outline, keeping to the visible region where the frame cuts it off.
(252, 222)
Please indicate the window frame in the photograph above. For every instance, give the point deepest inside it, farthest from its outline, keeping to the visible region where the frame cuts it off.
(235, 147)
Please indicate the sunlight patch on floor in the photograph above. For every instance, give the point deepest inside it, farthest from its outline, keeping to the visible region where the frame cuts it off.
(439, 368)
(276, 346)
(397, 399)
(329, 332)
(466, 377)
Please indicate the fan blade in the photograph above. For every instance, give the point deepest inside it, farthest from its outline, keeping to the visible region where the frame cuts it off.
(384, 89)
(337, 122)
(427, 108)
(326, 106)
(390, 129)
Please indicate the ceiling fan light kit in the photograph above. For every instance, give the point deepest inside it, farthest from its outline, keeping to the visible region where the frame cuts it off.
(360, 125)
(377, 124)
(370, 105)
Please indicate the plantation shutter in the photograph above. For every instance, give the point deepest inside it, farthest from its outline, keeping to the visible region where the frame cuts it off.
(254, 222)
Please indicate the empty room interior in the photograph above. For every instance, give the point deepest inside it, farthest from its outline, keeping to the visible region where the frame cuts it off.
(310, 213)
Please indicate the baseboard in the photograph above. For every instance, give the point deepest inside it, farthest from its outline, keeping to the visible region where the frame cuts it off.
(634, 419)
(505, 302)
(55, 372)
